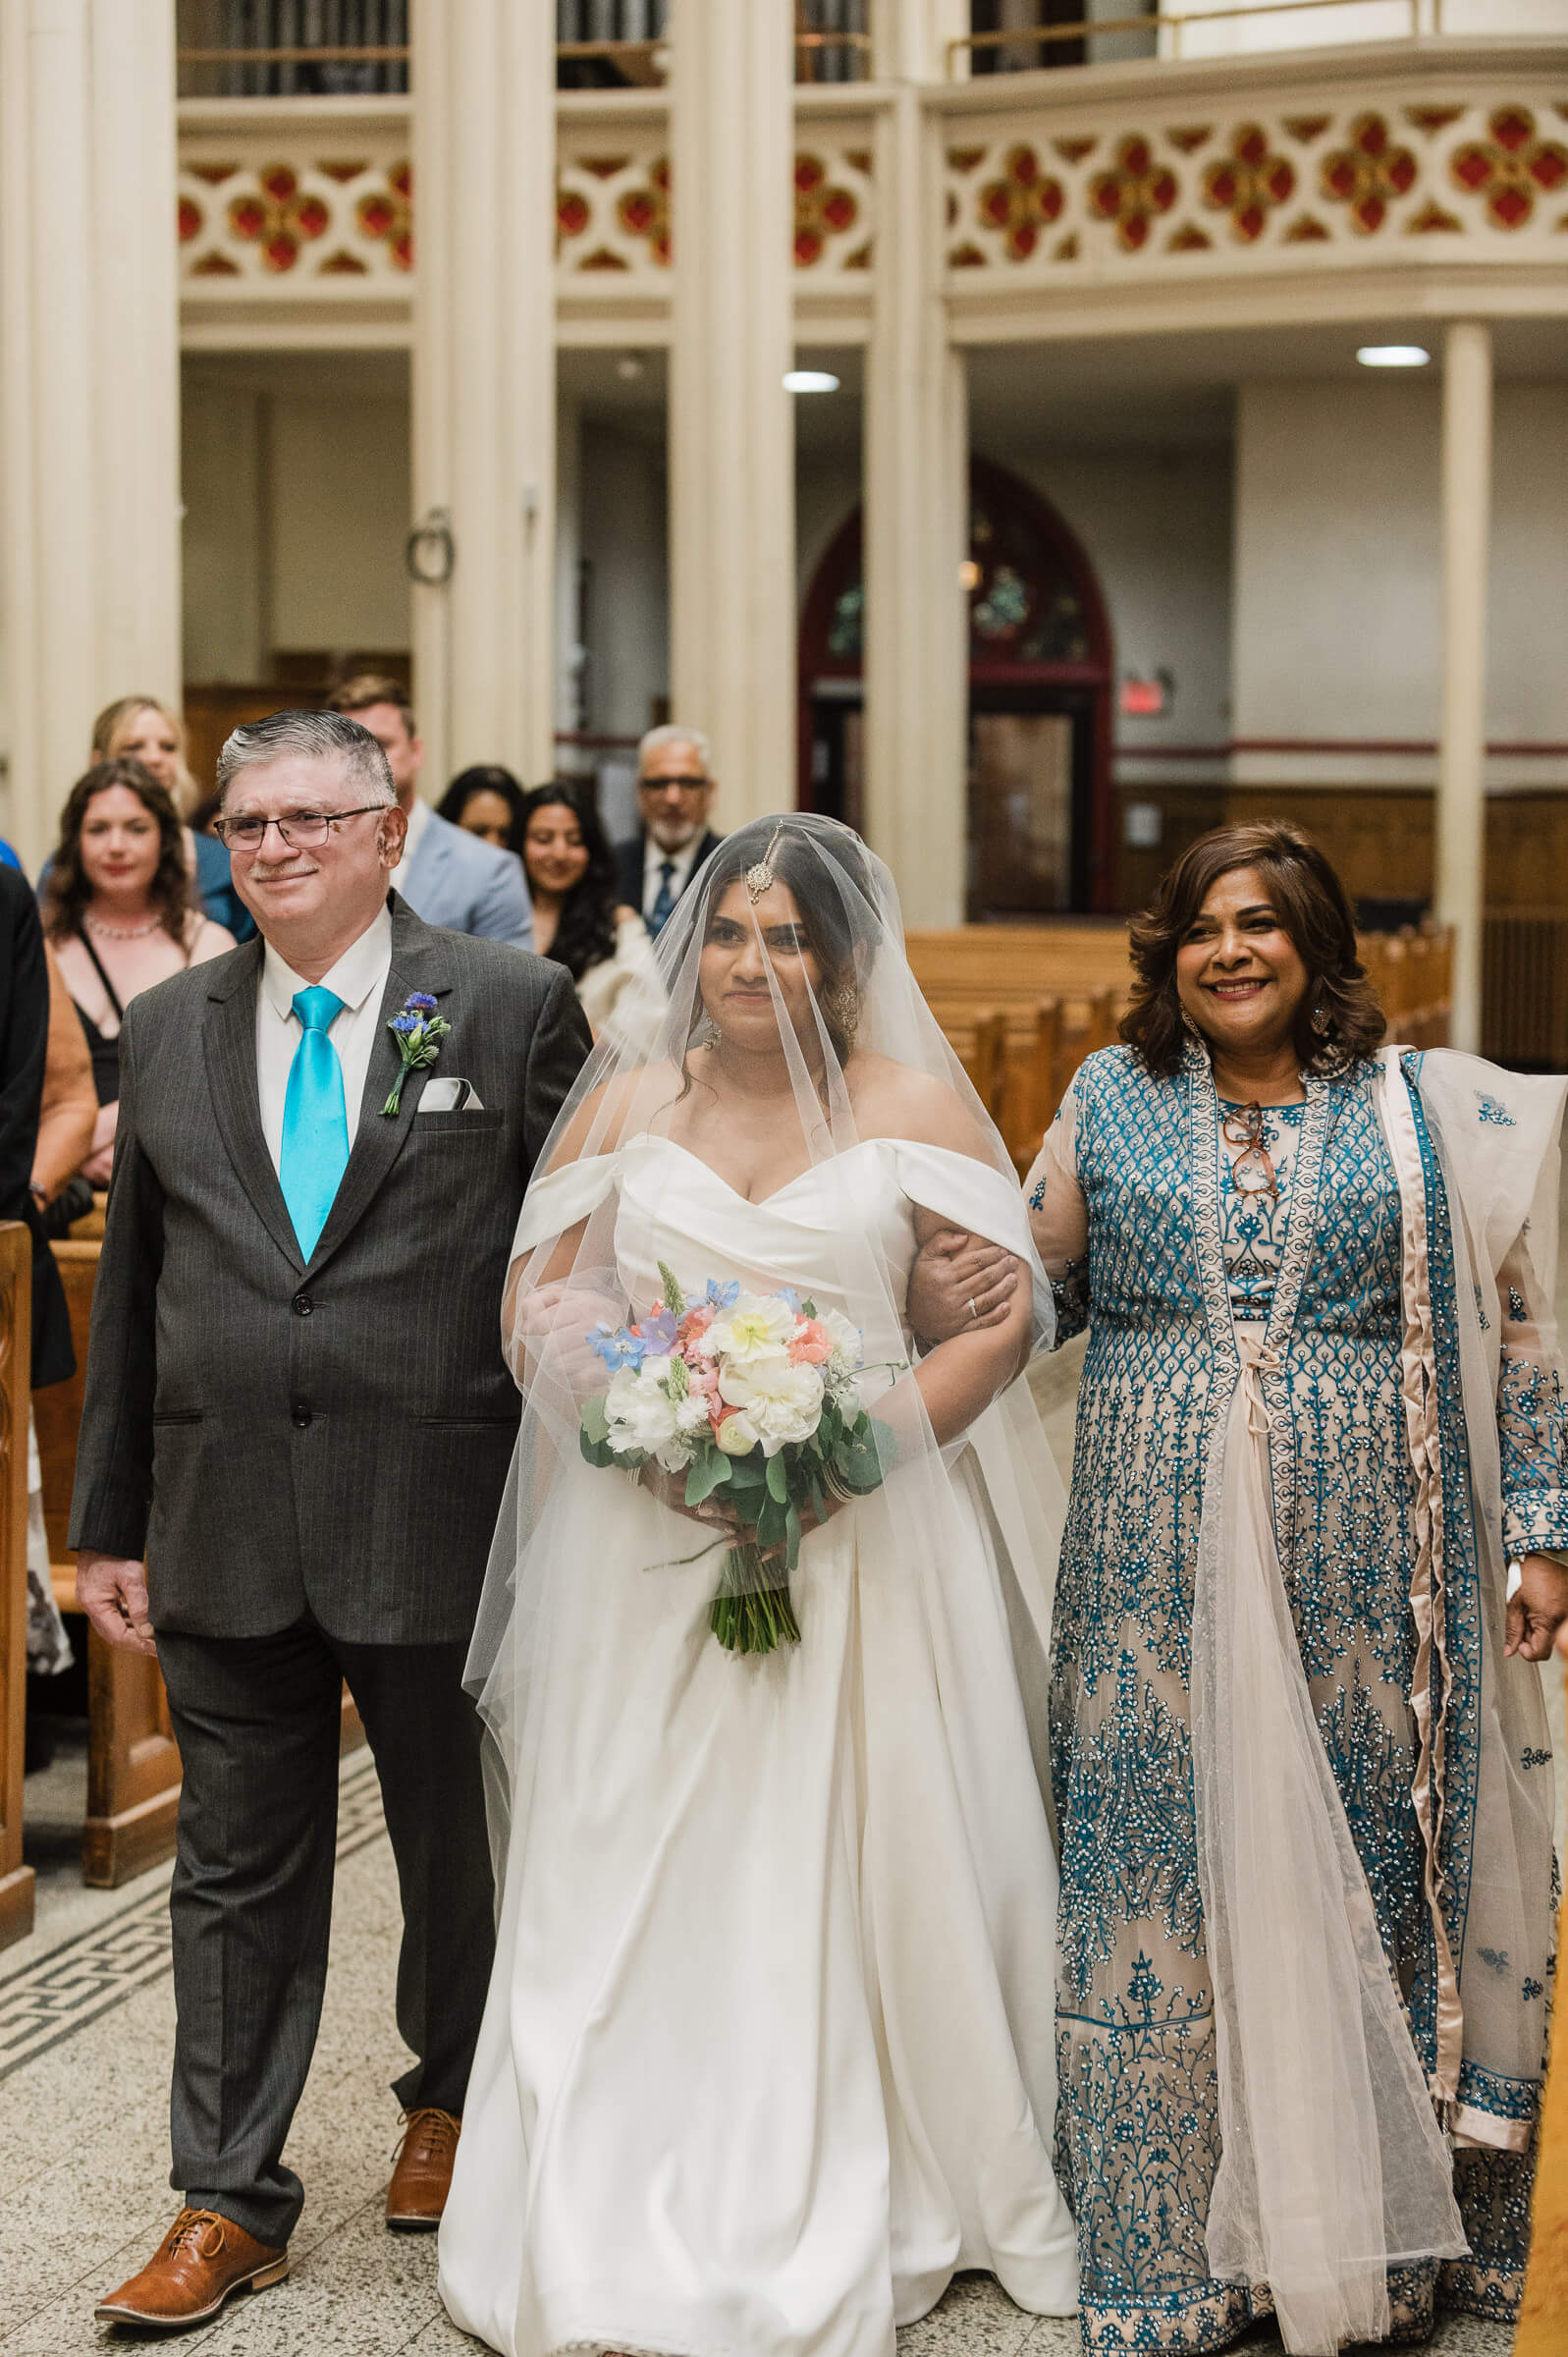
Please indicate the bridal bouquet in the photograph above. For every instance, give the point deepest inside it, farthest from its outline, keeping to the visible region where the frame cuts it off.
(755, 1398)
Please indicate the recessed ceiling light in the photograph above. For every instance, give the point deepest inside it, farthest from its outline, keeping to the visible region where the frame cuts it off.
(629, 368)
(1393, 356)
(809, 380)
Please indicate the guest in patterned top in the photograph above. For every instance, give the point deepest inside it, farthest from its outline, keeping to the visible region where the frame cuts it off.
(1302, 1776)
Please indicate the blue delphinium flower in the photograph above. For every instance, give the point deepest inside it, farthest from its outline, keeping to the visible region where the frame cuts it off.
(621, 1348)
(722, 1297)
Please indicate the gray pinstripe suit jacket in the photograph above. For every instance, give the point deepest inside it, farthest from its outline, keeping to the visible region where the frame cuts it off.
(276, 1433)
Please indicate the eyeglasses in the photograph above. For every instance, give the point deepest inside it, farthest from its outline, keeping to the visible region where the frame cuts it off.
(663, 785)
(301, 830)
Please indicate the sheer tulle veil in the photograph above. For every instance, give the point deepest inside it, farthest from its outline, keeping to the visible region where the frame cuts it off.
(865, 1072)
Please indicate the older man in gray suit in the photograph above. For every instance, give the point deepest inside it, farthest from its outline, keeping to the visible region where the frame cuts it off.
(297, 1413)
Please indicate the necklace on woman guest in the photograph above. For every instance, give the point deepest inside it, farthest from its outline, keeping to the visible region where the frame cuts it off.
(95, 924)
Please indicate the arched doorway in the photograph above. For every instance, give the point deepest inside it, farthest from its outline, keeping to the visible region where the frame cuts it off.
(1040, 674)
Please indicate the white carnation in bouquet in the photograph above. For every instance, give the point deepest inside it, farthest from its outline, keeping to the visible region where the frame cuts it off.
(847, 1355)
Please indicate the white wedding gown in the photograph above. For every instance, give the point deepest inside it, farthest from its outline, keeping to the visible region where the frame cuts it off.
(767, 2053)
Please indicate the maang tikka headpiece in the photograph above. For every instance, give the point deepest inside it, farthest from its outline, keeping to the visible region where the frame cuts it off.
(761, 878)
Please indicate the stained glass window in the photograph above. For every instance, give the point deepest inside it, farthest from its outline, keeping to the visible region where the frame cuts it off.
(1024, 606)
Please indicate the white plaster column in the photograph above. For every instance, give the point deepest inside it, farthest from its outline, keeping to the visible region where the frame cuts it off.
(1461, 829)
(484, 381)
(90, 384)
(916, 534)
(731, 434)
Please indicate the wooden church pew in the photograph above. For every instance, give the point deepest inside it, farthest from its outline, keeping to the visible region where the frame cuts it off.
(15, 1332)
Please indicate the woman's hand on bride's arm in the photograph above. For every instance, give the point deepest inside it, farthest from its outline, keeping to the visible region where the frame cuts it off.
(958, 1284)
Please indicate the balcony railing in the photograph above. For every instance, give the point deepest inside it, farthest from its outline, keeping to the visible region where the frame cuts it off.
(1158, 33)
(330, 48)
(292, 48)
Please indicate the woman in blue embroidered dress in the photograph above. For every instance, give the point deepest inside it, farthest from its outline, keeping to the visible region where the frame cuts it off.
(1302, 1776)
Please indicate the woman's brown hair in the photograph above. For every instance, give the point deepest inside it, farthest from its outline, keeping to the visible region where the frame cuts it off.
(1313, 910)
(69, 893)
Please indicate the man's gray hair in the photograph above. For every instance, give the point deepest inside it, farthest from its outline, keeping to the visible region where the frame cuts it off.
(671, 732)
(312, 736)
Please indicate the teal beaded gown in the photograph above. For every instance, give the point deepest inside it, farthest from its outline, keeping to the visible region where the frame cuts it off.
(1132, 1173)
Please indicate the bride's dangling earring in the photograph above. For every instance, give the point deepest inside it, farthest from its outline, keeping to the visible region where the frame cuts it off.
(841, 1006)
(707, 1033)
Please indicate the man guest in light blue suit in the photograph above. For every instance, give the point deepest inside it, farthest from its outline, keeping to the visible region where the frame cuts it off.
(447, 876)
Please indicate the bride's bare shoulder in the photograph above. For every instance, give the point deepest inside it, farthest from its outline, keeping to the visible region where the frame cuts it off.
(893, 1100)
(618, 1109)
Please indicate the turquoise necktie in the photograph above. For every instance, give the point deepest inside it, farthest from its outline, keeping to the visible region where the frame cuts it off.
(315, 1121)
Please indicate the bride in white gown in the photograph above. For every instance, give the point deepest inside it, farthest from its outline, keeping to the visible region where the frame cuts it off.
(767, 2053)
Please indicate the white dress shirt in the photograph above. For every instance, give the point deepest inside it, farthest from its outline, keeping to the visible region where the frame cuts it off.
(653, 859)
(418, 820)
(359, 979)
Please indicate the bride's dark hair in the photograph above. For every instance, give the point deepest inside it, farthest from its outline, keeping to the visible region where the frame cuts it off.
(836, 899)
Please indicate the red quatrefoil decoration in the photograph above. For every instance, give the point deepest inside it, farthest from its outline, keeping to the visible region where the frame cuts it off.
(822, 211)
(1021, 203)
(1511, 168)
(645, 212)
(1248, 182)
(1134, 194)
(280, 219)
(388, 214)
(1369, 173)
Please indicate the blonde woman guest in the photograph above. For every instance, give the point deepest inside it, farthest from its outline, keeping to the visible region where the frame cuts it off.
(118, 913)
(578, 916)
(140, 728)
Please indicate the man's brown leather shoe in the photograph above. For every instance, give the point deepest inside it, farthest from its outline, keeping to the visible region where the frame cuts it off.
(422, 2177)
(203, 2259)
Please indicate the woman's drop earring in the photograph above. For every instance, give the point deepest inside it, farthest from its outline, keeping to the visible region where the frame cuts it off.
(1321, 1021)
(707, 1033)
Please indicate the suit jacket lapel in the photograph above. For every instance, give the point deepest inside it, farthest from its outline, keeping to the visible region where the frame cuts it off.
(418, 962)
(229, 1042)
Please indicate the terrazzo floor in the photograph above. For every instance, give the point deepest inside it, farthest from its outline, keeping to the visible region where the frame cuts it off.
(87, 2025)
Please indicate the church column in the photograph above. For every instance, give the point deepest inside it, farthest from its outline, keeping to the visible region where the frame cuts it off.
(731, 434)
(1460, 861)
(90, 384)
(484, 384)
(916, 507)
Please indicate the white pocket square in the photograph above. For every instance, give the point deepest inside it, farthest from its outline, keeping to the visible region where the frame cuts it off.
(448, 1095)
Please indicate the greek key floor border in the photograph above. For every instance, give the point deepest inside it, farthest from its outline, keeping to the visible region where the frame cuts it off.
(87, 1975)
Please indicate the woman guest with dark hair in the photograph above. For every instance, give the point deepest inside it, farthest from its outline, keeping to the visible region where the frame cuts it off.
(118, 912)
(486, 801)
(579, 919)
(1301, 1765)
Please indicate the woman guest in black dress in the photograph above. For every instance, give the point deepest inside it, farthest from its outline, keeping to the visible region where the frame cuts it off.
(118, 913)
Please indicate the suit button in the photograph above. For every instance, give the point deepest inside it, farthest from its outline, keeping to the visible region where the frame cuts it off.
(301, 1415)
(302, 1305)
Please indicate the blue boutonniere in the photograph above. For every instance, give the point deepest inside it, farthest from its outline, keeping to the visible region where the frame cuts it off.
(419, 1032)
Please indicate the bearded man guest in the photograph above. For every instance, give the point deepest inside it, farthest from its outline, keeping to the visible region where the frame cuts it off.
(675, 793)
(446, 875)
(297, 1413)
